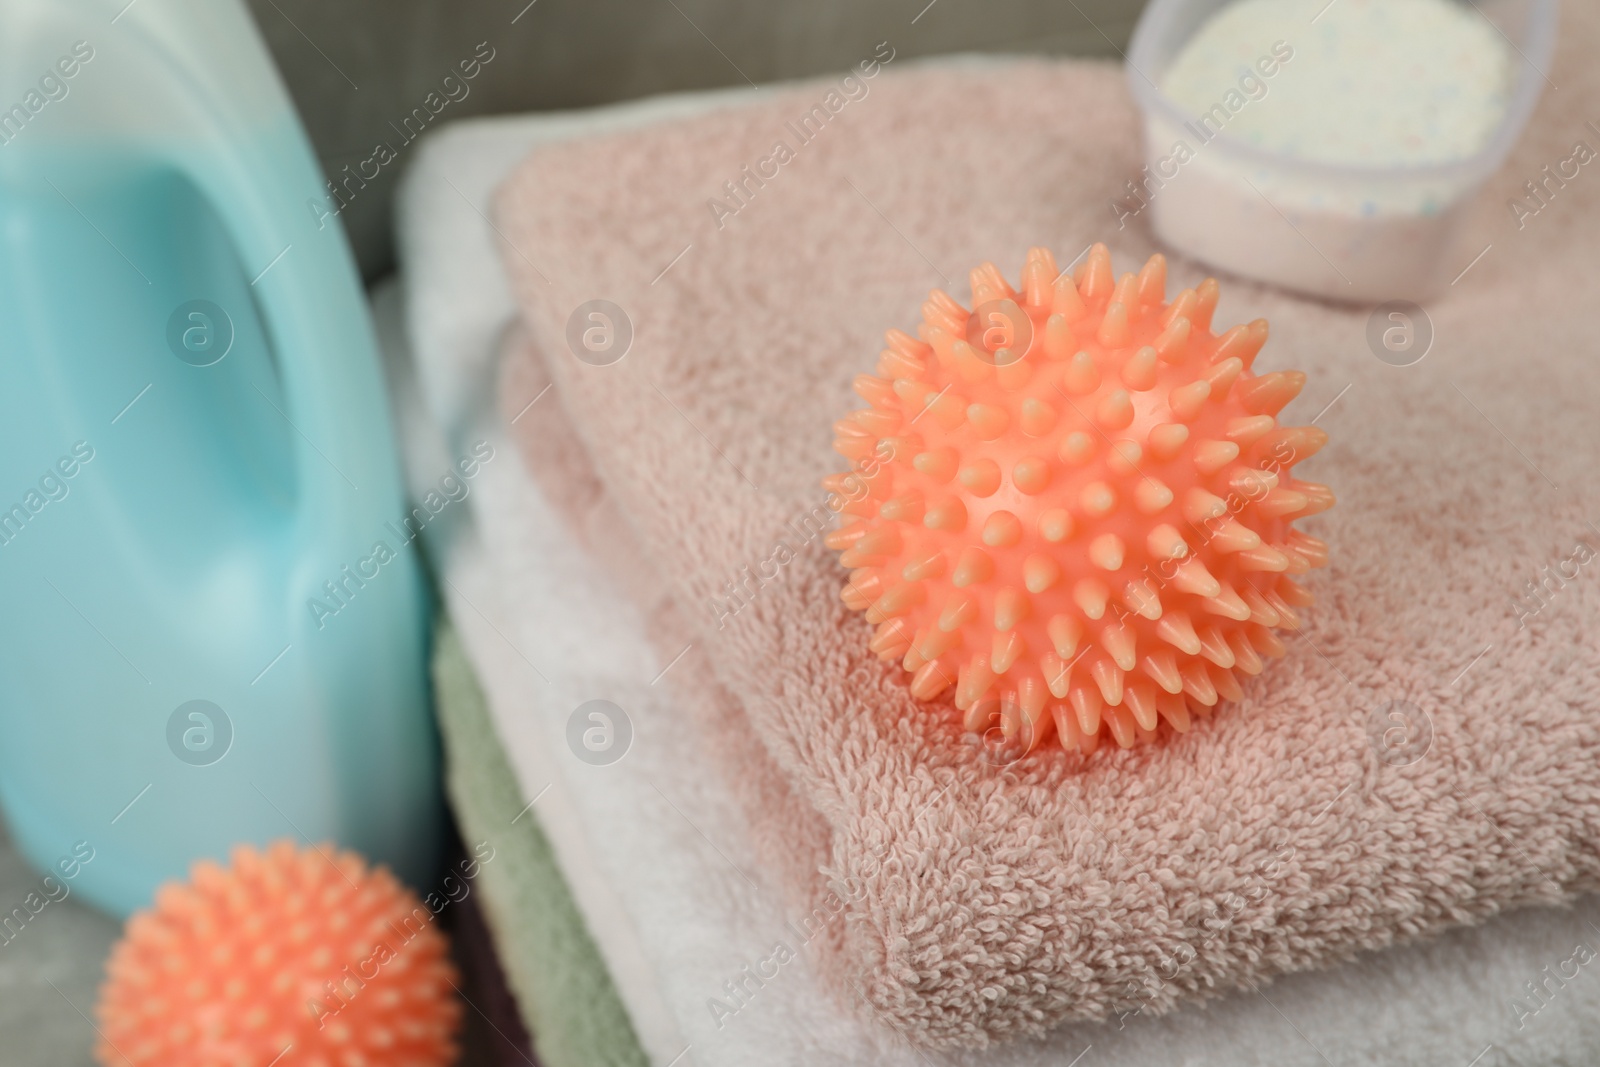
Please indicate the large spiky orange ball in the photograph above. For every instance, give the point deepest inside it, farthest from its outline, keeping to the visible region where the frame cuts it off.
(288, 957)
(1073, 503)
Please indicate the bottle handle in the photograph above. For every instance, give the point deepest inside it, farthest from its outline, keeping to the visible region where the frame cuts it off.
(305, 285)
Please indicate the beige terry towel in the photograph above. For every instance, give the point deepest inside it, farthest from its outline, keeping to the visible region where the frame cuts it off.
(1280, 834)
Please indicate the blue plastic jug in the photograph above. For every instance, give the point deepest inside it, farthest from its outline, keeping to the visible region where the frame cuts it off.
(209, 630)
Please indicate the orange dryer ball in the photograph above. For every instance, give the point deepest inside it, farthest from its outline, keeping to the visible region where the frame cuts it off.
(1073, 503)
(289, 958)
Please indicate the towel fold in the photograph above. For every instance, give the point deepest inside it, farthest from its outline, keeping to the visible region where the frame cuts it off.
(977, 905)
(671, 916)
(788, 836)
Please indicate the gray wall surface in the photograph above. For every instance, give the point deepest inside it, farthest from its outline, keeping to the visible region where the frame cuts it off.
(355, 66)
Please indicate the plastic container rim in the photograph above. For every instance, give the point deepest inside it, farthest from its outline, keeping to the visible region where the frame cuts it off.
(1534, 54)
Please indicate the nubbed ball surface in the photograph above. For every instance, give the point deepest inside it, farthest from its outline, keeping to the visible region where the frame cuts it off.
(1073, 504)
(288, 957)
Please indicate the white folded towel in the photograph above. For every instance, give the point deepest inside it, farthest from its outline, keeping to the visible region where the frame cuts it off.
(656, 850)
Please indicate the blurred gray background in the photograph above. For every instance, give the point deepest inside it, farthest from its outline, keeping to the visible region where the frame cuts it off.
(354, 66)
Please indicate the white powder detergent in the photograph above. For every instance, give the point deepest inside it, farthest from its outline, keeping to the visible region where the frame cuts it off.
(1324, 145)
(1400, 83)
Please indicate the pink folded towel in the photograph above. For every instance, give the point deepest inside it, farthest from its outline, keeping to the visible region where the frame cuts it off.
(1425, 756)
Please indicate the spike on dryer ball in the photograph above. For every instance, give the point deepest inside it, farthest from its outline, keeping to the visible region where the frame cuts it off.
(1073, 504)
(289, 957)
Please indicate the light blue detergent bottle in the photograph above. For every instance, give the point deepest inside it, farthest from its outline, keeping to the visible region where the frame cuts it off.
(210, 631)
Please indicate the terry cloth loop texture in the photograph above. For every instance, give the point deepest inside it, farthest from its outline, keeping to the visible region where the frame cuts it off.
(1282, 834)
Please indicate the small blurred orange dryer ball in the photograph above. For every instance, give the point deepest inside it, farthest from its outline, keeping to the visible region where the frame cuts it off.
(288, 958)
(1073, 503)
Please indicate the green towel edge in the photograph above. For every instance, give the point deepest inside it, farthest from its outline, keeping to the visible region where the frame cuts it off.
(571, 1007)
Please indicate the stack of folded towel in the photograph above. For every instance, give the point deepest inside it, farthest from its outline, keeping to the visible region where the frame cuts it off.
(783, 793)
